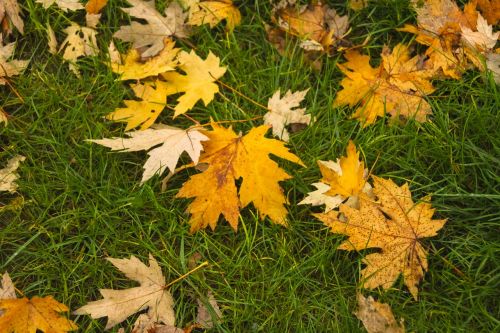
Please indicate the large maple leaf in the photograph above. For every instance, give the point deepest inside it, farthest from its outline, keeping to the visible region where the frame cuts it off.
(230, 157)
(397, 86)
(117, 305)
(395, 225)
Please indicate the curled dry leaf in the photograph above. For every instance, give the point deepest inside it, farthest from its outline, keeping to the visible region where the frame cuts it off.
(393, 224)
(10, 68)
(207, 318)
(377, 317)
(8, 175)
(152, 295)
(10, 15)
(80, 42)
(283, 112)
(152, 34)
(170, 143)
(230, 157)
(65, 5)
(212, 12)
(133, 68)
(397, 86)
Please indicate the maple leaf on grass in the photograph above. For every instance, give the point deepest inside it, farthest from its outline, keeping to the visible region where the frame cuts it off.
(65, 5)
(230, 157)
(198, 83)
(174, 141)
(213, 12)
(10, 68)
(81, 41)
(397, 86)
(342, 180)
(152, 295)
(8, 175)
(283, 112)
(150, 36)
(393, 224)
(133, 68)
(9, 14)
(143, 113)
(377, 317)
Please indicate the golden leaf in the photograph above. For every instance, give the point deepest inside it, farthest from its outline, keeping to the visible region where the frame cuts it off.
(395, 225)
(212, 12)
(229, 158)
(30, 315)
(490, 10)
(198, 83)
(397, 86)
(95, 6)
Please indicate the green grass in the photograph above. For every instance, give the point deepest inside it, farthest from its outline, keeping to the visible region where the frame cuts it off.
(83, 203)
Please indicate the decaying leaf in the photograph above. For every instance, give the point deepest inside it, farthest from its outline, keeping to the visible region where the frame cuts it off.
(393, 224)
(30, 315)
(342, 180)
(8, 175)
(171, 142)
(152, 295)
(150, 36)
(397, 86)
(133, 68)
(198, 83)
(377, 317)
(204, 318)
(318, 26)
(80, 42)
(283, 112)
(10, 14)
(143, 113)
(10, 68)
(65, 5)
(212, 12)
(230, 157)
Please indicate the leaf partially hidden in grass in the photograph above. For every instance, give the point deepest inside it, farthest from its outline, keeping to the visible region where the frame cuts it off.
(377, 317)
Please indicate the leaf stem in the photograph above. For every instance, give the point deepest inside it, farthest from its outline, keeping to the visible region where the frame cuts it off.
(182, 277)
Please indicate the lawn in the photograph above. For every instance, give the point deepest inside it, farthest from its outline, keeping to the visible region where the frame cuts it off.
(79, 203)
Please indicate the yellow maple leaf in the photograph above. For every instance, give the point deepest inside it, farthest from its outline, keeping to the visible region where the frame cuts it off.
(230, 157)
(212, 12)
(396, 87)
(30, 315)
(143, 113)
(135, 69)
(198, 83)
(394, 224)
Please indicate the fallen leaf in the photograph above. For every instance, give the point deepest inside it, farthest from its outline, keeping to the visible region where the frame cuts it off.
(80, 42)
(198, 83)
(8, 175)
(65, 5)
(7, 291)
(358, 4)
(30, 315)
(397, 86)
(114, 56)
(152, 295)
(95, 6)
(229, 158)
(490, 10)
(205, 318)
(283, 112)
(10, 68)
(143, 113)
(133, 68)
(394, 224)
(10, 14)
(493, 64)
(377, 317)
(213, 12)
(171, 142)
(482, 40)
(152, 34)
(146, 324)
(92, 20)
(52, 40)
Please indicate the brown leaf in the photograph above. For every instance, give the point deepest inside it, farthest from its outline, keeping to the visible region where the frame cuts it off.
(204, 317)
(377, 317)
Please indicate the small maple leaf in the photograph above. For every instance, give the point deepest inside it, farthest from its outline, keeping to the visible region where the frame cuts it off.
(213, 12)
(397, 86)
(117, 305)
(9, 14)
(342, 180)
(395, 225)
(143, 113)
(8, 175)
(152, 34)
(230, 157)
(377, 317)
(135, 69)
(9, 68)
(198, 83)
(174, 141)
(81, 41)
(65, 5)
(282, 112)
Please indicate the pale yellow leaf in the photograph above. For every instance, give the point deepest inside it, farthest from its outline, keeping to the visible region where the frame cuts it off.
(8, 175)
(65, 5)
(80, 42)
(213, 12)
(482, 40)
(10, 68)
